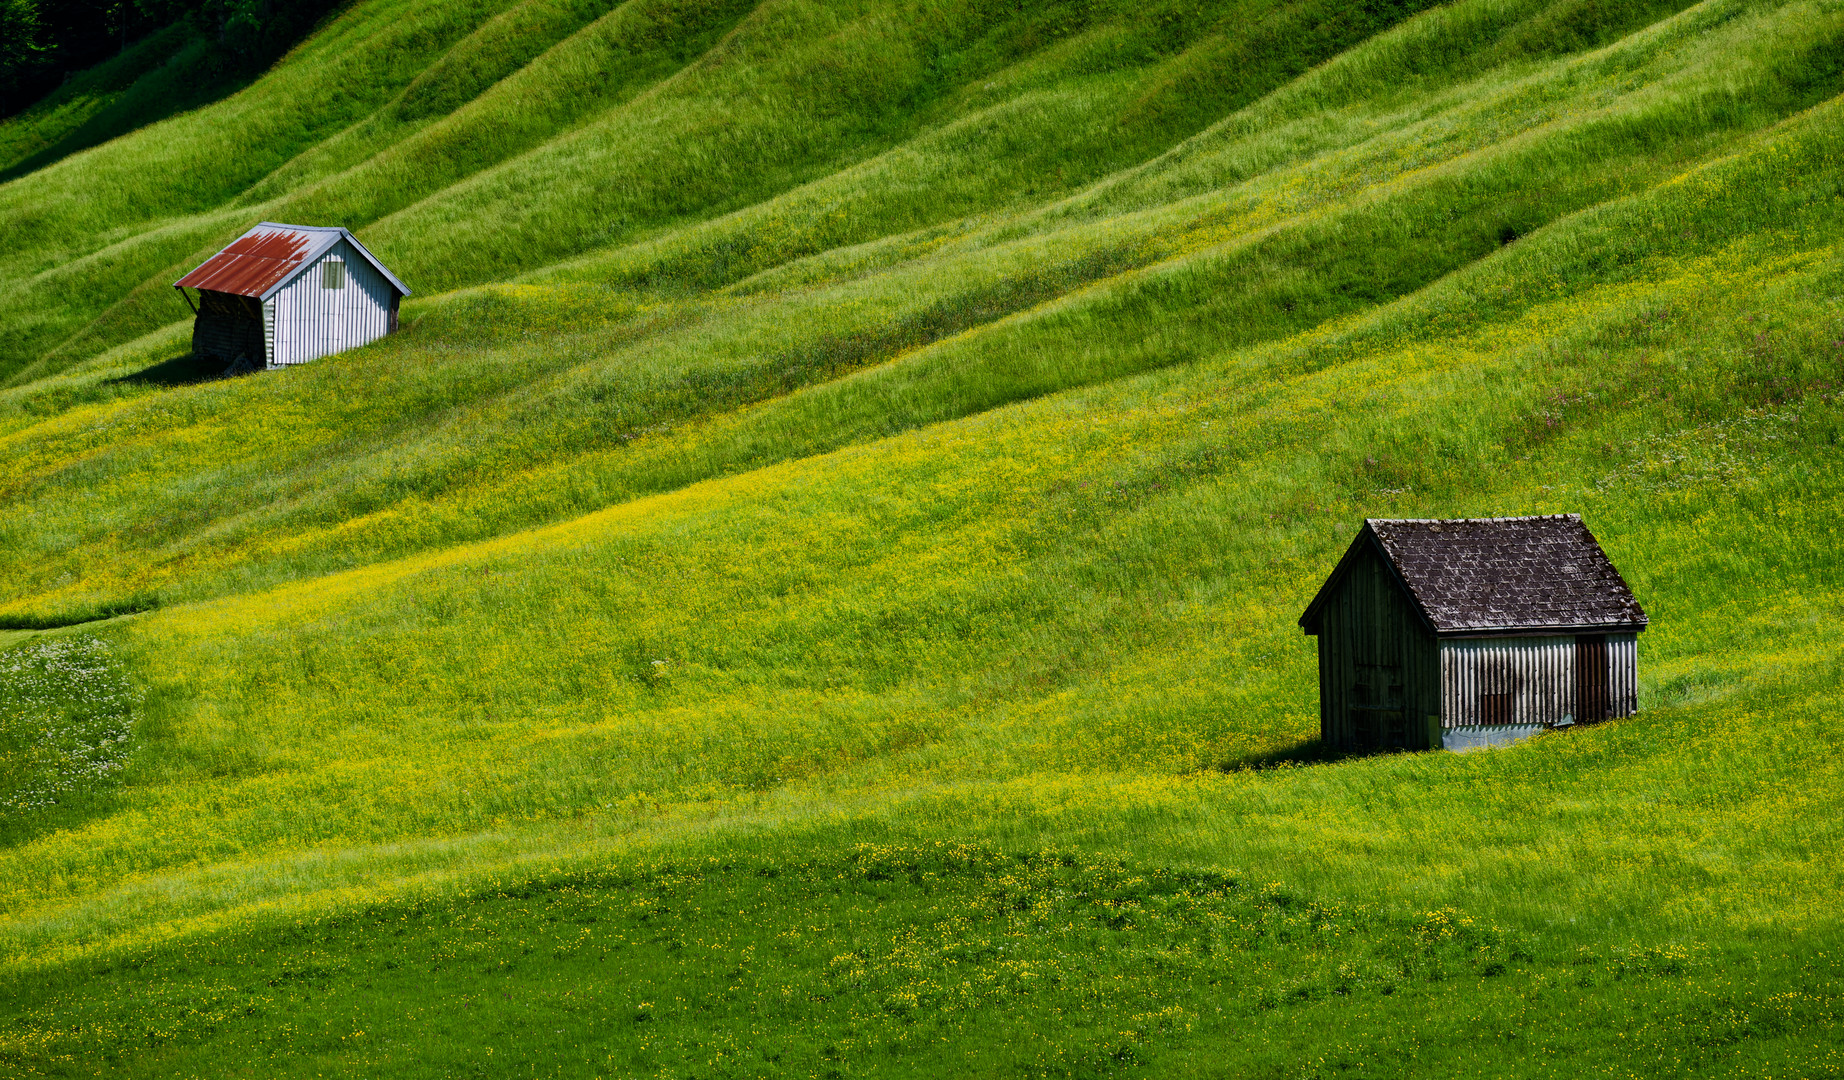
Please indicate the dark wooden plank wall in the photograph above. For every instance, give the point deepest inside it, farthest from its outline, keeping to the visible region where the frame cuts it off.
(1379, 666)
(227, 339)
(228, 327)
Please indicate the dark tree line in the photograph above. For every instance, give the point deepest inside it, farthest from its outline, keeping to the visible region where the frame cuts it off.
(44, 41)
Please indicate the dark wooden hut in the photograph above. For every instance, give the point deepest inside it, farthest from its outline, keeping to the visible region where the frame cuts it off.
(1472, 632)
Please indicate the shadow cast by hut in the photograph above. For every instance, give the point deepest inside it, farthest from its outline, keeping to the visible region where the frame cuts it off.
(1312, 751)
(184, 370)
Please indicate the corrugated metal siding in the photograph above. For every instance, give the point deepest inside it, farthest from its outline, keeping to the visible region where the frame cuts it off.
(1623, 658)
(312, 321)
(269, 331)
(1538, 673)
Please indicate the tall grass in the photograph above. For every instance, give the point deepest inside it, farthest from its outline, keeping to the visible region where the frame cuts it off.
(1186, 65)
(1130, 552)
(840, 552)
(167, 72)
(883, 958)
(522, 412)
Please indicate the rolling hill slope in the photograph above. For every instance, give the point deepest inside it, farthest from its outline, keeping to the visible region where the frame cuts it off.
(812, 588)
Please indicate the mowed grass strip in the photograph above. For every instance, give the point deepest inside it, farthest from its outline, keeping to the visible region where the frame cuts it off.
(897, 958)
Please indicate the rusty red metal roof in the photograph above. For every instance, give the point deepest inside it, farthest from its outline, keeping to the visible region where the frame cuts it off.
(249, 267)
(263, 259)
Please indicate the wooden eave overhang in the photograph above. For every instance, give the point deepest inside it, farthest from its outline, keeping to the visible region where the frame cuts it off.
(1555, 630)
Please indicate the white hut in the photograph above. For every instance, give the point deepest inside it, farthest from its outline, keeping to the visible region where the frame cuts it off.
(286, 294)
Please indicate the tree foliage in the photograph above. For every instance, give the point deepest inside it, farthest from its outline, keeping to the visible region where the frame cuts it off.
(44, 41)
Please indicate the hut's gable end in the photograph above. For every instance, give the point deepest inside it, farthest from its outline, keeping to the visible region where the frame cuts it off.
(1379, 664)
(335, 302)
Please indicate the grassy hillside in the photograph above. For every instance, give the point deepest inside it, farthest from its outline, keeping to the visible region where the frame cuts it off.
(812, 588)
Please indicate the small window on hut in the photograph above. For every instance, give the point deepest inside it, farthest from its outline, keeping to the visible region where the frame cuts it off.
(333, 274)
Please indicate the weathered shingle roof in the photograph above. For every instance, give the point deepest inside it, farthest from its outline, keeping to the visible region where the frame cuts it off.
(267, 257)
(1504, 574)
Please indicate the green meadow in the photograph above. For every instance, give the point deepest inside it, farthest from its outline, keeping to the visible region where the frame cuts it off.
(811, 589)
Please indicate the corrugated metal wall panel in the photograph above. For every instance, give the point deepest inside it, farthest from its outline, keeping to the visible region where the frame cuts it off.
(1537, 673)
(313, 321)
(1623, 681)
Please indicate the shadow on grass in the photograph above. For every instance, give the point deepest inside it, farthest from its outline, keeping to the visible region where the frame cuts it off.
(1304, 752)
(87, 613)
(179, 371)
(72, 812)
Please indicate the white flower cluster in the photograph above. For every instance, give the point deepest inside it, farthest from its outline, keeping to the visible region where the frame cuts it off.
(1724, 453)
(66, 722)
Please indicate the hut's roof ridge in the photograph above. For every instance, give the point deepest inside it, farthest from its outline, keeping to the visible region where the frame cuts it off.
(1536, 572)
(269, 255)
